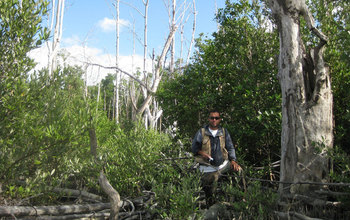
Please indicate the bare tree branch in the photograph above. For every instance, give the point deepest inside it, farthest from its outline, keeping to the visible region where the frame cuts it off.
(193, 31)
(157, 71)
(122, 71)
(127, 3)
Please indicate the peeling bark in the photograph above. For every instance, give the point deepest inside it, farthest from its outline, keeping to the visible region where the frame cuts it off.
(158, 74)
(77, 193)
(113, 196)
(50, 210)
(57, 34)
(307, 117)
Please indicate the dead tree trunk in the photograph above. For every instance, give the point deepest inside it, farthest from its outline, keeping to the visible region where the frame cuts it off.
(50, 210)
(113, 196)
(193, 32)
(307, 117)
(158, 75)
(117, 73)
(173, 22)
(57, 34)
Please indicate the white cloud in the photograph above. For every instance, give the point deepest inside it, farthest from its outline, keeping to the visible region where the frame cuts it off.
(86, 56)
(71, 40)
(107, 24)
(40, 55)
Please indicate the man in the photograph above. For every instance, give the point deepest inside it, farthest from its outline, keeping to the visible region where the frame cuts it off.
(214, 151)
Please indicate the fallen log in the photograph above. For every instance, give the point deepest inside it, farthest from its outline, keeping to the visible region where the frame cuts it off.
(51, 210)
(331, 193)
(105, 214)
(77, 211)
(312, 201)
(89, 216)
(78, 193)
(134, 215)
(290, 215)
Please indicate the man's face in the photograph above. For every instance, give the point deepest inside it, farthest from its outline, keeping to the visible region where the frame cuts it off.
(214, 120)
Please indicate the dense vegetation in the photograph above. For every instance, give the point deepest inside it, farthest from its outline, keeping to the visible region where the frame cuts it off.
(235, 73)
(45, 120)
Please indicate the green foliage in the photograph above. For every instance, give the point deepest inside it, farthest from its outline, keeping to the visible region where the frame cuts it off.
(235, 72)
(107, 91)
(252, 201)
(20, 32)
(47, 144)
(43, 119)
(131, 156)
(134, 160)
(340, 173)
(49, 126)
(341, 165)
(177, 193)
(128, 91)
(44, 138)
(180, 104)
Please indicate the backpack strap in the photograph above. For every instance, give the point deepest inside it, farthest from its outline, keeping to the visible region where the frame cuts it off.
(203, 132)
(205, 147)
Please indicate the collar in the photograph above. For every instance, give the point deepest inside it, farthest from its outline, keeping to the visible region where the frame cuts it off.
(208, 133)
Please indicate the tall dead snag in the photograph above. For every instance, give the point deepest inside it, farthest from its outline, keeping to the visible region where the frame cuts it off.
(307, 117)
(173, 22)
(57, 34)
(117, 73)
(158, 74)
(193, 32)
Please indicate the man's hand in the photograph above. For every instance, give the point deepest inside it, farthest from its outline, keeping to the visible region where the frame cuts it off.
(235, 166)
(205, 155)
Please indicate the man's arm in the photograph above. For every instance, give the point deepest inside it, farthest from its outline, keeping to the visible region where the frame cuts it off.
(229, 146)
(231, 152)
(205, 155)
(197, 143)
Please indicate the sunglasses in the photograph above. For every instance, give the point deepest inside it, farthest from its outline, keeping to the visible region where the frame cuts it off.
(216, 118)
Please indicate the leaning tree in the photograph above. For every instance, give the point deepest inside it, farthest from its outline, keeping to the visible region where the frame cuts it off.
(307, 117)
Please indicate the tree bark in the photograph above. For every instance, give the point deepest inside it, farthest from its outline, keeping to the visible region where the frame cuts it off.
(193, 32)
(158, 76)
(117, 72)
(51, 210)
(291, 215)
(77, 193)
(307, 117)
(145, 37)
(90, 216)
(98, 92)
(57, 34)
(172, 57)
(113, 196)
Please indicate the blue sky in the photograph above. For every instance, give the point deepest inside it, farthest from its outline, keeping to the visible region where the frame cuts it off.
(83, 20)
(89, 31)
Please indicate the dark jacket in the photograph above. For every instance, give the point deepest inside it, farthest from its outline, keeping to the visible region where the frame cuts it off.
(216, 152)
